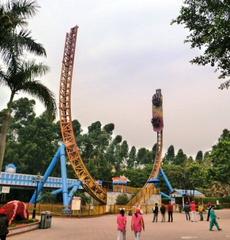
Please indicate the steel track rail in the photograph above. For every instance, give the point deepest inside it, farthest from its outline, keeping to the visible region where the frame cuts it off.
(73, 152)
(149, 189)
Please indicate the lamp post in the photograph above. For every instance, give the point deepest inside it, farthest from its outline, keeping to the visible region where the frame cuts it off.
(36, 180)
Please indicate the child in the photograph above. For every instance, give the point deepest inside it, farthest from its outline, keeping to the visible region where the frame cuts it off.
(213, 219)
(121, 225)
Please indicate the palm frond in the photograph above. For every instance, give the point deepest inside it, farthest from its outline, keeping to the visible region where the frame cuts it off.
(3, 80)
(27, 42)
(23, 8)
(41, 92)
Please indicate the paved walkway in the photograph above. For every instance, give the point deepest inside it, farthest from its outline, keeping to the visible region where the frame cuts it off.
(104, 228)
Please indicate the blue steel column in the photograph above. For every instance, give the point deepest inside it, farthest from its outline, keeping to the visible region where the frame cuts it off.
(57, 191)
(166, 181)
(47, 174)
(71, 193)
(64, 178)
(165, 195)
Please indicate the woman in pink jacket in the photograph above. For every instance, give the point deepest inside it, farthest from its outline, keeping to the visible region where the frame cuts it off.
(137, 224)
(121, 225)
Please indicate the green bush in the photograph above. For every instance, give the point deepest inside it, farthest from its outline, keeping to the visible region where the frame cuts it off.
(47, 197)
(122, 199)
(214, 199)
(85, 199)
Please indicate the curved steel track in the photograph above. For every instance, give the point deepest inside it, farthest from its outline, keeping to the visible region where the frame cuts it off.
(149, 189)
(89, 183)
(73, 152)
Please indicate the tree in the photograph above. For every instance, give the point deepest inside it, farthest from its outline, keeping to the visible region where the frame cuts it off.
(131, 157)
(97, 150)
(170, 154)
(199, 156)
(138, 177)
(220, 156)
(20, 77)
(14, 37)
(208, 23)
(122, 199)
(32, 141)
(180, 158)
(14, 41)
(144, 156)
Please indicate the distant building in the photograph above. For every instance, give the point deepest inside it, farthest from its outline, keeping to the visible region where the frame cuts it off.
(120, 183)
(122, 180)
(187, 193)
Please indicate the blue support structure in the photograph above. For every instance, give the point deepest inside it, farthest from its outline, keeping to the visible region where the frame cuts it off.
(64, 176)
(168, 184)
(165, 195)
(46, 175)
(71, 193)
(55, 192)
(67, 197)
(156, 182)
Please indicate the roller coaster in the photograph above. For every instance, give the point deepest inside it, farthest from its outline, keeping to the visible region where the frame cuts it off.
(72, 149)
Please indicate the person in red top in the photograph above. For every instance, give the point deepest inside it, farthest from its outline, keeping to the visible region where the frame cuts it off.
(137, 224)
(121, 225)
(170, 212)
(193, 211)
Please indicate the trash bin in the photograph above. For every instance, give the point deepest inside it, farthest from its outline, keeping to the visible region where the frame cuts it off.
(46, 219)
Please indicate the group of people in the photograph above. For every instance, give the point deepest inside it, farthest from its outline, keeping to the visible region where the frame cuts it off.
(162, 210)
(137, 221)
(137, 224)
(211, 215)
(190, 209)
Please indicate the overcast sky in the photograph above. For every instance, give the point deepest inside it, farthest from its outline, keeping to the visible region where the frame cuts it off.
(126, 49)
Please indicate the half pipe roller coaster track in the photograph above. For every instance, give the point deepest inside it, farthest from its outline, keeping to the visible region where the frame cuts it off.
(73, 152)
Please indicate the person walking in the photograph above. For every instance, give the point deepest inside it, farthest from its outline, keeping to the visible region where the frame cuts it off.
(209, 208)
(162, 210)
(170, 212)
(121, 225)
(155, 212)
(187, 211)
(137, 224)
(201, 211)
(193, 211)
(213, 220)
(4, 223)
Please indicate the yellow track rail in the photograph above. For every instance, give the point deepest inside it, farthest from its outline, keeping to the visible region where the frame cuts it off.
(149, 189)
(89, 183)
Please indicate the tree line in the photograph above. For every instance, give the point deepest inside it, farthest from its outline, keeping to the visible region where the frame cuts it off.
(33, 141)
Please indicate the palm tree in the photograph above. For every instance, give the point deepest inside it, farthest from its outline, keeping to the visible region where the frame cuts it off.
(20, 77)
(14, 38)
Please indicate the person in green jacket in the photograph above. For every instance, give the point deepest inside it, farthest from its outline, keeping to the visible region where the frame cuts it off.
(213, 220)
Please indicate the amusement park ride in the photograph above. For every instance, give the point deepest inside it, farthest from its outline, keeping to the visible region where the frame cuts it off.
(72, 149)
